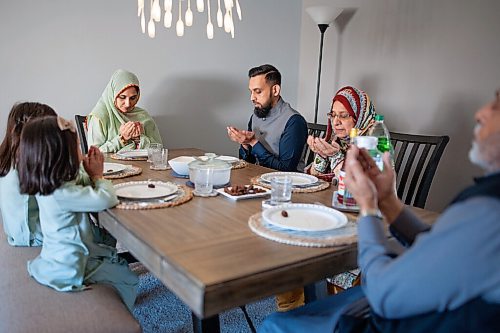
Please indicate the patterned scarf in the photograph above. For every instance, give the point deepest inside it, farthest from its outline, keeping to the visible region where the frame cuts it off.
(362, 111)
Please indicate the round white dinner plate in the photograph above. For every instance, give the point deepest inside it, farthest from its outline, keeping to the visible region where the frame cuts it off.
(229, 159)
(298, 179)
(137, 153)
(111, 168)
(305, 217)
(141, 190)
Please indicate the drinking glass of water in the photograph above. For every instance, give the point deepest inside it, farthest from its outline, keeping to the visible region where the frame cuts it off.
(281, 189)
(153, 147)
(203, 181)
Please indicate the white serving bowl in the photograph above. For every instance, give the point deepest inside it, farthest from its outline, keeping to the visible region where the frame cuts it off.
(222, 170)
(180, 164)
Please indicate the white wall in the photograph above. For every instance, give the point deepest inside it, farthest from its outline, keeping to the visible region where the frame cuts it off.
(63, 53)
(427, 64)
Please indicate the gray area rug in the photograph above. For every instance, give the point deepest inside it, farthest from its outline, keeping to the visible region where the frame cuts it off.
(159, 310)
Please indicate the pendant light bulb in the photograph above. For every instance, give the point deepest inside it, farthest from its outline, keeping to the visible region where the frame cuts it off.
(168, 5)
(189, 15)
(200, 6)
(210, 26)
(227, 22)
(179, 28)
(238, 9)
(140, 7)
(151, 28)
(167, 20)
(143, 23)
(228, 4)
(156, 11)
(220, 20)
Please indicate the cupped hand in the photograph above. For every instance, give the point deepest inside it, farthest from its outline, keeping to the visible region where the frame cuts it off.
(138, 129)
(240, 136)
(358, 181)
(384, 181)
(93, 163)
(128, 130)
(322, 147)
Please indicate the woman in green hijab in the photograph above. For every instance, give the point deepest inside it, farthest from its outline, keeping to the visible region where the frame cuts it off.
(116, 123)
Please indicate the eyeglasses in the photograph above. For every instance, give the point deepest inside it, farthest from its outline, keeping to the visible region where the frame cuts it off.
(341, 116)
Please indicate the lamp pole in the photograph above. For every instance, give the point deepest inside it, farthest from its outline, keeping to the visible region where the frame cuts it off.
(322, 29)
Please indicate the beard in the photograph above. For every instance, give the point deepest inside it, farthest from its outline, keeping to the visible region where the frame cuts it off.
(262, 112)
(486, 154)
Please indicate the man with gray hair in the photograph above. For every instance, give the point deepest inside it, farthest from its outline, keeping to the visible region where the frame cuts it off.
(445, 279)
(276, 133)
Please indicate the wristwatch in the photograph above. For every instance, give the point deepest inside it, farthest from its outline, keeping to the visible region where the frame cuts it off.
(375, 212)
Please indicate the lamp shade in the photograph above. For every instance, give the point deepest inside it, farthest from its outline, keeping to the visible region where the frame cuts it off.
(323, 14)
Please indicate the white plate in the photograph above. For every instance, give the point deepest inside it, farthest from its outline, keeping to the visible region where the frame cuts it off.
(337, 205)
(245, 196)
(111, 168)
(140, 190)
(137, 153)
(305, 217)
(298, 179)
(229, 159)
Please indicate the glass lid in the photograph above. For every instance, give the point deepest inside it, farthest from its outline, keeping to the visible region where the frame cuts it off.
(208, 161)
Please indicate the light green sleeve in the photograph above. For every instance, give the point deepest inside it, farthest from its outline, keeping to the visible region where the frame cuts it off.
(150, 135)
(77, 198)
(98, 136)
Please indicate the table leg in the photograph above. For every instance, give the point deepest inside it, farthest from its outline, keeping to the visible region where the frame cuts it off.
(310, 293)
(207, 325)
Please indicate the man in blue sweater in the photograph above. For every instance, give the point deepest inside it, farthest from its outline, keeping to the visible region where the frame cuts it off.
(276, 133)
(446, 280)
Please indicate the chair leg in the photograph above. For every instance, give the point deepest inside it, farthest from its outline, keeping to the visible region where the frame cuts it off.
(247, 317)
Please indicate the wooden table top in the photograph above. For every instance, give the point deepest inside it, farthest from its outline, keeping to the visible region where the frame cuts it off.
(206, 254)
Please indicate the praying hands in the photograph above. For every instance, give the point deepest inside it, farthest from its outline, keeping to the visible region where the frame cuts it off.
(244, 138)
(131, 130)
(322, 147)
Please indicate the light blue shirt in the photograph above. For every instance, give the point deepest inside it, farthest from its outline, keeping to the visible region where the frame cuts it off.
(454, 262)
(19, 213)
(70, 258)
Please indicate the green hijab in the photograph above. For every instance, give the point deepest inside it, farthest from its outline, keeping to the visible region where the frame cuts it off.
(110, 118)
(105, 107)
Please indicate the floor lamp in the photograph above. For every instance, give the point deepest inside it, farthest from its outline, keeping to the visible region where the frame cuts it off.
(323, 16)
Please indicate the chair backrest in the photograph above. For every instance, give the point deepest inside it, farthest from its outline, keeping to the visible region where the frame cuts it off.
(416, 160)
(81, 126)
(316, 130)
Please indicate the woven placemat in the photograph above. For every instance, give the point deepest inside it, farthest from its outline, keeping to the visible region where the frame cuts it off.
(322, 185)
(337, 237)
(123, 158)
(239, 165)
(185, 194)
(128, 172)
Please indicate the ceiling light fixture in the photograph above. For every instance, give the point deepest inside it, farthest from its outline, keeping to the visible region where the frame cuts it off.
(224, 21)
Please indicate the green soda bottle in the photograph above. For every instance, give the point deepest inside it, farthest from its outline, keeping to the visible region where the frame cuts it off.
(380, 131)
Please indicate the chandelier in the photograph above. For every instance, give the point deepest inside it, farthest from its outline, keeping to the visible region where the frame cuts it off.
(223, 20)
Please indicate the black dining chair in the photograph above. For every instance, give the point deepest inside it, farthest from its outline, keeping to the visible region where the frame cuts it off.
(416, 160)
(316, 130)
(81, 126)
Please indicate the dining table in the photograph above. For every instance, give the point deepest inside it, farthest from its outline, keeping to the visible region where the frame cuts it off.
(205, 253)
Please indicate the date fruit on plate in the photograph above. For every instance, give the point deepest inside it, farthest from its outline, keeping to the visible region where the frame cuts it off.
(237, 190)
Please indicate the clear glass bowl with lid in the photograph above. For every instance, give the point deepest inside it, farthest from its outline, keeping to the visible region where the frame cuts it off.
(221, 173)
